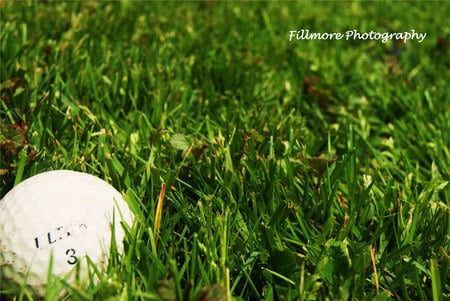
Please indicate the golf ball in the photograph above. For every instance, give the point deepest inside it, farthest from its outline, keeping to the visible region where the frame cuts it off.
(62, 216)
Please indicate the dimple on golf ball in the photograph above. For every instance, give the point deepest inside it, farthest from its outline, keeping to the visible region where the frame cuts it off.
(62, 216)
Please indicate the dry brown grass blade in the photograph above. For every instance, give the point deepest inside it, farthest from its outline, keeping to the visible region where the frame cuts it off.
(158, 213)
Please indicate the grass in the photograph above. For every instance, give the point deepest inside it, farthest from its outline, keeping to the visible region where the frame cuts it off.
(297, 170)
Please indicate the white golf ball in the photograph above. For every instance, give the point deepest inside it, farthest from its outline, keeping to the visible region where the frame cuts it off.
(63, 215)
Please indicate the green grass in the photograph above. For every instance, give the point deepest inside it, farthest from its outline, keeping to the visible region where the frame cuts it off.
(296, 170)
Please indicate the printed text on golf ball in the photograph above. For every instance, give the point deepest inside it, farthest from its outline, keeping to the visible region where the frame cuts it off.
(54, 236)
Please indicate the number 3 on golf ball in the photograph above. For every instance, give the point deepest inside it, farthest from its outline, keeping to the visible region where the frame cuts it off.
(62, 216)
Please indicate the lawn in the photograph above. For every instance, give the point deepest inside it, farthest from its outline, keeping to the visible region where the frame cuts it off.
(294, 170)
